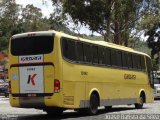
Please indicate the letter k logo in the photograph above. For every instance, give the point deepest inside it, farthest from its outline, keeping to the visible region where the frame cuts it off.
(31, 78)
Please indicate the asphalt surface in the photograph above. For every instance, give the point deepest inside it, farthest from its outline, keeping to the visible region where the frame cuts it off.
(151, 111)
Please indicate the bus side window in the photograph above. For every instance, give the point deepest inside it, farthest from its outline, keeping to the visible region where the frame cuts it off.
(139, 66)
(149, 70)
(87, 53)
(108, 56)
(101, 55)
(143, 63)
(79, 52)
(119, 58)
(130, 63)
(114, 57)
(69, 49)
(124, 60)
(95, 54)
(134, 58)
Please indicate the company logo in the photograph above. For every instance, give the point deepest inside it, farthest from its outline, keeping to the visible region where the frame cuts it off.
(128, 76)
(31, 79)
(33, 58)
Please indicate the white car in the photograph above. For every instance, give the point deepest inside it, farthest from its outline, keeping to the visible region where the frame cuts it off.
(156, 90)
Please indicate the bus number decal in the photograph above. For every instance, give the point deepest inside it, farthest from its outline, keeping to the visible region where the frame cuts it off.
(129, 76)
(84, 73)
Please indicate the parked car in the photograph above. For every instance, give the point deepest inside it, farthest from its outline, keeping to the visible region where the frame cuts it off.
(156, 84)
(1, 81)
(4, 89)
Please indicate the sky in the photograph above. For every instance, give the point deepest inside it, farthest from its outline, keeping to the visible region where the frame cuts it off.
(47, 8)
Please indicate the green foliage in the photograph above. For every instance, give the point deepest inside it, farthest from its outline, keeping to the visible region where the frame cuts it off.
(31, 19)
(8, 22)
(93, 13)
(142, 47)
(150, 23)
(96, 38)
(16, 19)
(56, 22)
(154, 40)
(155, 65)
(113, 19)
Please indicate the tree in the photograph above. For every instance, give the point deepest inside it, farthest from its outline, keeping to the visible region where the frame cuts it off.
(8, 22)
(56, 22)
(15, 19)
(150, 23)
(111, 18)
(32, 19)
(154, 39)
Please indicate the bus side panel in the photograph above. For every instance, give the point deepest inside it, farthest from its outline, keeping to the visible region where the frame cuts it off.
(14, 81)
(49, 84)
(110, 84)
(130, 87)
(49, 72)
(104, 80)
(74, 85)
(52, 73)
(78, 86)
(111, 87)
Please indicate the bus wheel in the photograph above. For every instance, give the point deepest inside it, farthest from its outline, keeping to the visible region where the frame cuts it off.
(93, 106)
(82, 111)
(141, 102)
(54, 112)
(108, 108)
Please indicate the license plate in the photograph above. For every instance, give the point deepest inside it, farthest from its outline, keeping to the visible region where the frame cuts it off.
(32, 95)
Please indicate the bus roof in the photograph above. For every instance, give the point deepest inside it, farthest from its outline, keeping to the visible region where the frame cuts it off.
(102, 43)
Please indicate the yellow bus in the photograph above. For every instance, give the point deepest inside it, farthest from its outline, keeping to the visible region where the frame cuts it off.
(54, 71)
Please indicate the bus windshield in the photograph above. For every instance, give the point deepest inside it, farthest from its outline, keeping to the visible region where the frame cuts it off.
(32, 45)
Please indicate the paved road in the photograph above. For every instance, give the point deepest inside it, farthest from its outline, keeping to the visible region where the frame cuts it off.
(125, 112)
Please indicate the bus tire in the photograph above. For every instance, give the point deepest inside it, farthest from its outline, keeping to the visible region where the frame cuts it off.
(82, 111)
(141, 102)
(108, 108)
(54, 112)
(93, 105)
